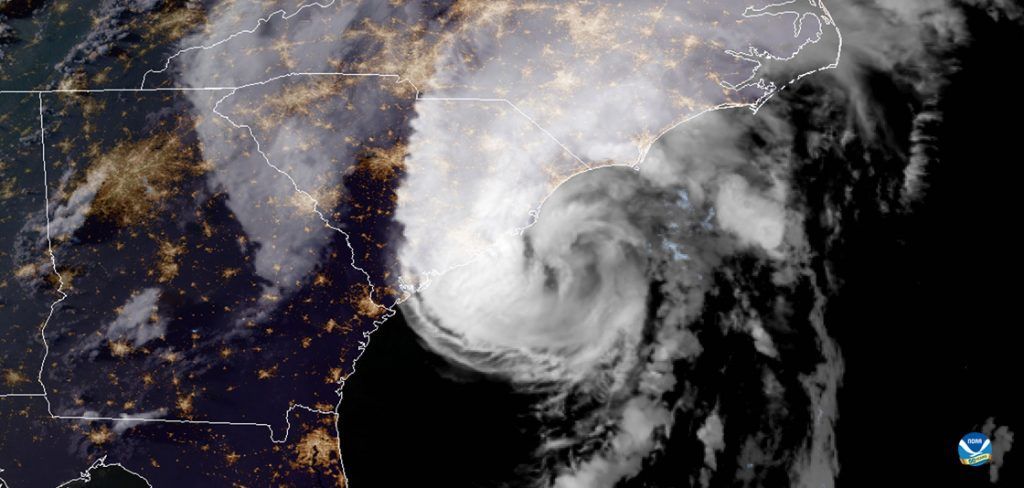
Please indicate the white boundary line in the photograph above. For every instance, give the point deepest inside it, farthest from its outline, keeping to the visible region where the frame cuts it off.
(64, 295)
(115, 90)
(86, 476)
(388, 310)
(53, 257)
(398, 79)
(46, 347)
(259, 23)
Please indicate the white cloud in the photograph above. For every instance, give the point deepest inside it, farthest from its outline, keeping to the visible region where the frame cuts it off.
(67, 218)
(558, 300)
(641, 419)
(605, 91)
(818, 466)
(280, 222)
(138, 319)
(128, 421)
(762, 340)
(752, 216)
(1002, 441)
(998, 9)
(712, 434)
(568, 295)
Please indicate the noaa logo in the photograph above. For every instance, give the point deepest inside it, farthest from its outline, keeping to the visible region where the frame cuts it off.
(974, 449)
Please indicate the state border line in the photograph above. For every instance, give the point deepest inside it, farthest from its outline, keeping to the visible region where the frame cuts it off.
(234, 89)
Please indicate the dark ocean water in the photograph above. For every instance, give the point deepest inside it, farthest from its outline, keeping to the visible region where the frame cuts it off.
(112, 476)
(924, 317)
(408, 415)
(925, 320)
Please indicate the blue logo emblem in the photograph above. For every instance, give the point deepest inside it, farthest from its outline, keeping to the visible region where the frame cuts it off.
(974, 449)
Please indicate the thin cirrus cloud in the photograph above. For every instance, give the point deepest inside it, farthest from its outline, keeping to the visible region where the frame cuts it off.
(497, 132)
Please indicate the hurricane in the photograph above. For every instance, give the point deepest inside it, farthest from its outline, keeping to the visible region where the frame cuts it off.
(639, 291)
(508, 243)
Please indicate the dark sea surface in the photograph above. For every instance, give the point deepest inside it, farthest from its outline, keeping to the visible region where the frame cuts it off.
(926, 320)
(409, 416)
(924, 317)
(113, 476)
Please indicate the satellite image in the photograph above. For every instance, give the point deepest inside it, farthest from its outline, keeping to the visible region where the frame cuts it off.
(501, 244)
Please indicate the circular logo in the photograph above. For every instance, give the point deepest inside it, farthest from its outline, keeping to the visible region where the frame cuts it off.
(974, 449)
